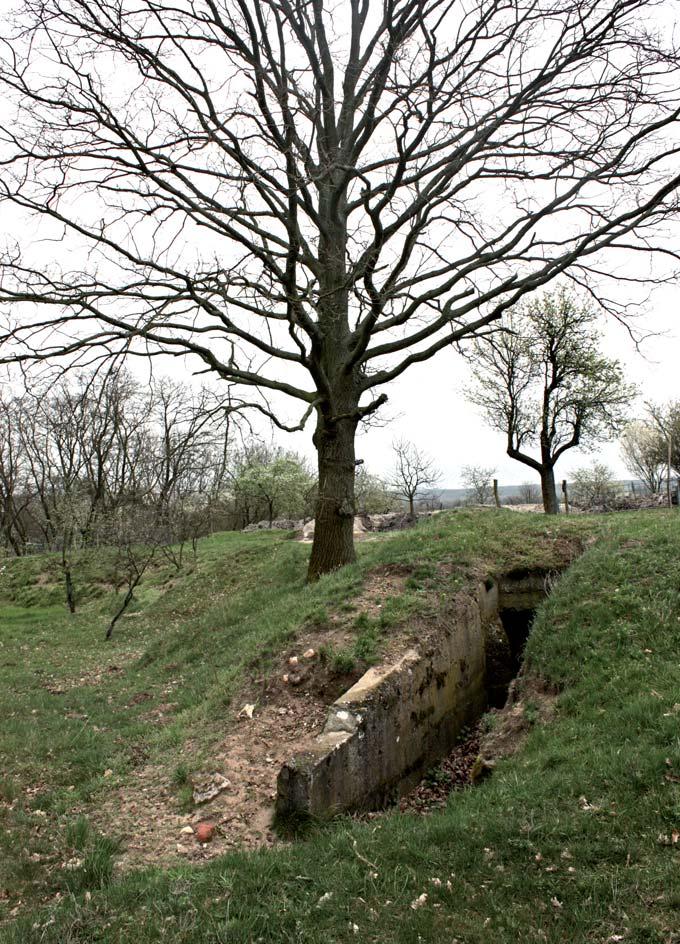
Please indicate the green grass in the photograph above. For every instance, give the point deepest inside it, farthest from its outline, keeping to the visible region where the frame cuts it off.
(561, 844)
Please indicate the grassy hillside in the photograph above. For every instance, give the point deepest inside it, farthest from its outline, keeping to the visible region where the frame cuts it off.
(574, 838)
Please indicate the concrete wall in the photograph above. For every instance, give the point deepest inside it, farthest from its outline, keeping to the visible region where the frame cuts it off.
(524, 589)
(397, 721)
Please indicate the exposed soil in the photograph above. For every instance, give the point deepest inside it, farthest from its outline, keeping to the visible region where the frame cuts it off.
(245, 766)
(529, 703)
(275, 717)
(388, 580)
(278, 715)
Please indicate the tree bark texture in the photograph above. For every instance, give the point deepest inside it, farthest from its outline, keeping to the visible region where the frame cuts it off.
(551, 505)
(333, 545)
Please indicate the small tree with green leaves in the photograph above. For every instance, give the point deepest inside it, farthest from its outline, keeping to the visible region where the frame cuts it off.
(374, 496)
(274, 484)
(543, 382)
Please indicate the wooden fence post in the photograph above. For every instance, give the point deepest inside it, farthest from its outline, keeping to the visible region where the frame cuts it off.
(495, 493)
(566, 496)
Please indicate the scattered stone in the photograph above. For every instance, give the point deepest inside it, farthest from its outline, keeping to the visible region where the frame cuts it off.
(205, 832)
(393, 521)
(293, 660)
(210, 788)
(187, 831)
(297, 678)
(247, 711)
(278, 524)
(309, 654)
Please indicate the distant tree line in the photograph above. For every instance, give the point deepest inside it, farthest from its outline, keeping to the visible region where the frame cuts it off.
(94, 455)
(79, 455)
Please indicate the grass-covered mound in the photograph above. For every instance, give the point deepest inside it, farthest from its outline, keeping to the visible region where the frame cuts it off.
(574, 838)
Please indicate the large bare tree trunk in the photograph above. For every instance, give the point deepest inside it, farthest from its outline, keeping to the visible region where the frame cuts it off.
(551, 505)
(333, 545)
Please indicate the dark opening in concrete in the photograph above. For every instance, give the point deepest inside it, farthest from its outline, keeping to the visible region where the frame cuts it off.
(511, 603)
(517, 625)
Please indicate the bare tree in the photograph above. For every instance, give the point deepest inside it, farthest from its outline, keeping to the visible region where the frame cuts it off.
(593, 487)
(479, 482)
(137, 533)
(14, 494)
(529, 493)
(413, 472)
(643, 448)
(85, 454)
(666, 420)
(543, 383)
(310, 204)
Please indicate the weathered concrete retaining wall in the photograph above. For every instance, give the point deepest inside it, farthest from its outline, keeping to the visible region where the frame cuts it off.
(393, 724)
(523, 589)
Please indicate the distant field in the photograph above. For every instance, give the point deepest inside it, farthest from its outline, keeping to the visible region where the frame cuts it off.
(576, 838)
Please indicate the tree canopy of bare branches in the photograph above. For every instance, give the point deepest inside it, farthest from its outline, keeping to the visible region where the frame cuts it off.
(478, 480)
(311, 197)
(413, 473)
(543, 382)
(99, 459)
(643, 448)
(665, 420)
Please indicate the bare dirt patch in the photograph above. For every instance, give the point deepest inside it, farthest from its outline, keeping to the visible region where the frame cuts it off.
(529, 703)
(388, 580)
(275, 716)
(146, 813)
